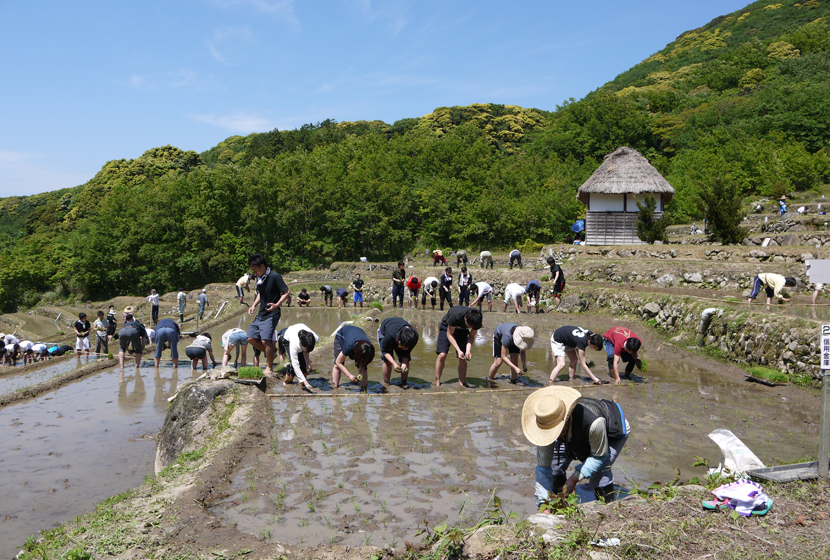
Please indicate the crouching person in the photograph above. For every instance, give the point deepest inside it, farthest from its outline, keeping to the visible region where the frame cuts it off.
(564, 425)
(297, 342)
(351, 342)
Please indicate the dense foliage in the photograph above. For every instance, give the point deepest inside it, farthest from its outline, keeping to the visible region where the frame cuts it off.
(743, 101)
(649, 228)
(722, 203)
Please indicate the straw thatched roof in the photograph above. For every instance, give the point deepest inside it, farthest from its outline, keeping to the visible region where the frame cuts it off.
(625, 171)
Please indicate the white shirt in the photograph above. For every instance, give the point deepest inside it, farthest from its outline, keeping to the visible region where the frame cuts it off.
(201, 342)
(181, 296)
(244, 280)
(38, 348)
(26, 345)
(428, 283)
(153, 299)
(151, 334)
(292, 335)
(486, 254)
(515, 253)
(484, 288)
(512, 291)
(11, 340)
(227, 336)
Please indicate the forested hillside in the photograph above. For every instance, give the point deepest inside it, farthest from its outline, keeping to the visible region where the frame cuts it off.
(746, 98)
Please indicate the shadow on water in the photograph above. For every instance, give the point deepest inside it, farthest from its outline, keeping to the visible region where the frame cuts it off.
(369, 469)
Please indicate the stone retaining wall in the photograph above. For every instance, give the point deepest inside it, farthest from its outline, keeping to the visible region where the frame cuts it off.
(788, 344)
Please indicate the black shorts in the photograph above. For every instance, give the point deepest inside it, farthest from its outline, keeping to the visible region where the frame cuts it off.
(130, 338)
(195, 352)
(240, 292)
(460, 336)
(111, 329)
(497, 348)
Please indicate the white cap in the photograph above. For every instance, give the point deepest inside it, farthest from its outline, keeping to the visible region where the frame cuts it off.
(204, 290)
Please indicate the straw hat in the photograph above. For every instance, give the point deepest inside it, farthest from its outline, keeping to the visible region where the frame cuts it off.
(783, 197)
(129, 309)
(545, 411)
(523, 338)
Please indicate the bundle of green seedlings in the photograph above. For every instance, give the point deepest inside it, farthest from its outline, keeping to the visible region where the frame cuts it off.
(250, 372)
(768, 374)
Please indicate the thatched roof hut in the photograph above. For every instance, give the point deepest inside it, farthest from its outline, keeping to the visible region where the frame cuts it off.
(611, 195)
(626, 171)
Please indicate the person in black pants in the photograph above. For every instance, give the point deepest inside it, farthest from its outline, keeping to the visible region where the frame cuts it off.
(465, 279)
(398, 279)
(446, 287)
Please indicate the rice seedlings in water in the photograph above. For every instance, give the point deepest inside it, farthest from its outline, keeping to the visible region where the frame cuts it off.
(368, 537)
(310, 507)
(321, 494)
(383, 506)
(303, 523)
(356, 506)
(340, 484)
(265, 534)
(244, 497)
(336, 508)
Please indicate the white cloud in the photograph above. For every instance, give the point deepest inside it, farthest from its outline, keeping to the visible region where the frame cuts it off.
(25, 173)
(239, 123)
(227, 40)
(174, 79)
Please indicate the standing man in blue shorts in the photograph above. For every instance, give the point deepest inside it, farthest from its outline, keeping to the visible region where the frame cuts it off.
(357, 287)
(271, 293)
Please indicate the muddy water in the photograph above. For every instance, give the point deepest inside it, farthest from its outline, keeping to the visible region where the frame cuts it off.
(819, 312)
(12, 381)
(73, 447)
(370, 469)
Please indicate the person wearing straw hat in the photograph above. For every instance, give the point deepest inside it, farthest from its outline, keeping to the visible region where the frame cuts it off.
(509, 342)
(782, 205)
(572, 342)
(564, 425)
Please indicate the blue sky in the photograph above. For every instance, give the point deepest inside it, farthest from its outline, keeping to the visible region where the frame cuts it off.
(86, 82)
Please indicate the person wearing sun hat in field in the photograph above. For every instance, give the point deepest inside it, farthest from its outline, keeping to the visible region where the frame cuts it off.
(510, 341)
(564, 425)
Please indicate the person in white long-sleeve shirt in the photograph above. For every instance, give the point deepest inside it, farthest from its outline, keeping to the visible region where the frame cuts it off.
(297, 341)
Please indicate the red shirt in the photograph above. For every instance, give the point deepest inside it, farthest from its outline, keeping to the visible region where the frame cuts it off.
(413, 283)
(618, 336)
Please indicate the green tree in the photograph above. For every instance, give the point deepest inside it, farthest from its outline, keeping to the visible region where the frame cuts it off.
(724, 214)
(650, 229)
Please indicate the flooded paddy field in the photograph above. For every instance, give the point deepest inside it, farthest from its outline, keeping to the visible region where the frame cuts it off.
(13, 378)
(370, 469)
(73, 447)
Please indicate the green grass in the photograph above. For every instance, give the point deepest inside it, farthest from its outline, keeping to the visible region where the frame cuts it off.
(769, 374)
(377, 305)
(250, 373)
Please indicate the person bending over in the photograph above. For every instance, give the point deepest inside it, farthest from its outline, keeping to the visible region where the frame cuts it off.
(565, 426)
(621, 344)
(510, 341)
(351, 342)
(772, 284)
(572, 342)
(297, 343)
(398, 336)
(457, 331)
(200, 349)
